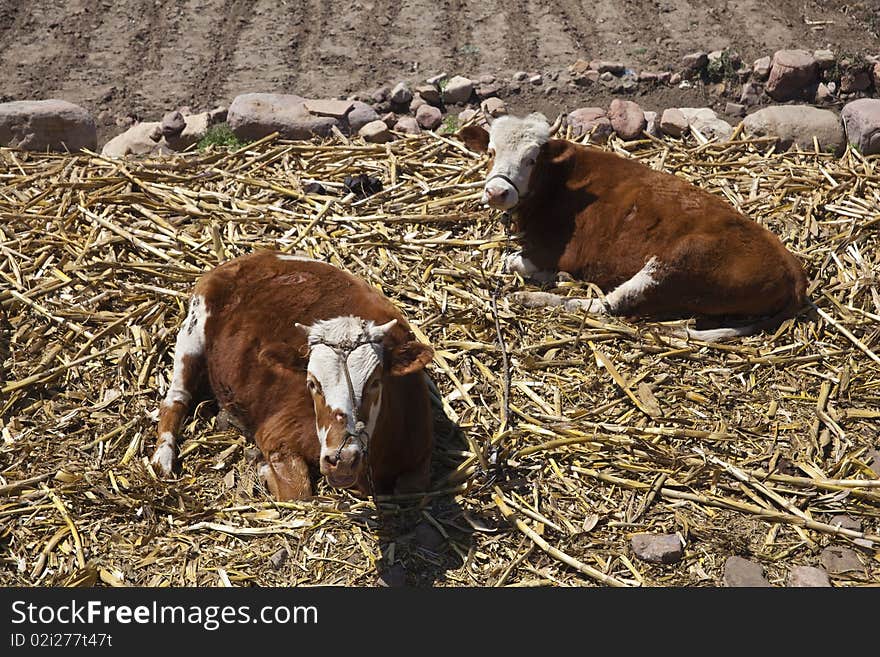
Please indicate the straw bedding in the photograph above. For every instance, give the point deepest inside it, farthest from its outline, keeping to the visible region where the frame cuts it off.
(607, 428)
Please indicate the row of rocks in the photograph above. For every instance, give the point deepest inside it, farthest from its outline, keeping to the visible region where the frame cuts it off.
(739, 572)
(59, 125)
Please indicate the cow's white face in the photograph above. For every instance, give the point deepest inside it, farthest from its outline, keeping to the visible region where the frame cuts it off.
(336, 345)
(514, 146)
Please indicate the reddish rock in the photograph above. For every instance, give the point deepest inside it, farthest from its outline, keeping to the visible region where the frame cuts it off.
(838, 560)
(429, 117)
(587, 120)
(657, 548)
(791, 72)
(694, 64)
(430, 93)
(627, 119)
(401, 94)
(458, 90)
(797, 124)
(408, 125)
(376, 132)
(615, 68)
(254, 116)
(360, 115)
(739, 572)
(493, 107)
(673, 122)
(808, 576)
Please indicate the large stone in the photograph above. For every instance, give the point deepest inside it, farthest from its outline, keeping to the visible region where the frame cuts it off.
(615, 68)
(401, 94)
(416, 103)
(376, 132)
(627, 119)
(707, 123)
(808, 576)
(797, 125)
(173, 124)
(254, 116)
(493, 107)
(838, 560)
(141, 139)
(407, 125)
(458, 90)
(195, 127)
(739, 572)
(587, 120)
(791, 72)
(673, 122)
(430, 93)
(429, 117)
(41, 125)
(657, 548)
(360, 115)
(694, 63)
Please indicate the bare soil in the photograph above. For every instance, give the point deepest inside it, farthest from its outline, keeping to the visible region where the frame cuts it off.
(141, 58)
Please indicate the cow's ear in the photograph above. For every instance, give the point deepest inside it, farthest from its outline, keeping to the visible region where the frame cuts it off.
(475, 138)
(410, 357)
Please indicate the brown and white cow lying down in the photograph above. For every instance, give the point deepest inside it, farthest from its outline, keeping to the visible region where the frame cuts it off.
(317, 364)
(653, 243)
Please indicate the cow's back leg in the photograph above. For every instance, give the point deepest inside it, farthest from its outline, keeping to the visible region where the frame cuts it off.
(286, 476)
(189, 368)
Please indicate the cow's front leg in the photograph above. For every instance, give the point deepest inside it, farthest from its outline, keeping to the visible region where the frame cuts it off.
(517, 263)
(286, 476)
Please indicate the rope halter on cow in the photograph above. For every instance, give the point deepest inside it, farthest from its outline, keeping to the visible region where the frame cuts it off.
(343, 349)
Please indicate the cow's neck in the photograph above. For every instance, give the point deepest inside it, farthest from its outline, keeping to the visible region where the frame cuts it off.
(545, 216)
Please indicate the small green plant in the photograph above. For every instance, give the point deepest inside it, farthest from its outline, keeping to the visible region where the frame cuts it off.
(449, 125)
(220, 136)
(721, 69)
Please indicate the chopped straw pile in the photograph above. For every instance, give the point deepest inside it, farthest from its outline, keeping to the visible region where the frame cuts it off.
(607, 428)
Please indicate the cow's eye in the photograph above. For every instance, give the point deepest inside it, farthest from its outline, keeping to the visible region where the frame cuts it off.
(491, 152)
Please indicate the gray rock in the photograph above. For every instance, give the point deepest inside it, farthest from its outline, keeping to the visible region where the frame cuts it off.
(627, 119)
(536, 79)
(615, 68)
(735, 109)
(466, 115)
(493, 107)
(376, 132)
(520, 76)
(751, 94)
(488, 90)
(429, 117)
(173, 124)
(648, 76)
(808, 576)
(761, 68)
(416, 103)
(401, 94)
(673, 122)
(657, 548)
(791, 71)
(846, 522)
(328, 107)
(360, 115)
(607, 76)
(40, 125)
(838, 560)
(430, 93)
(707, 122)
(254, 116)
(408, 125)
(797, 124)
(579, 67)
(824, 59)
(694, 64)
(861, 118)
(195, 127)
(587, 120)
(458, 90)
(739, 572)
(587, 78)
(142, 139)
(382, 94)
(277, 560)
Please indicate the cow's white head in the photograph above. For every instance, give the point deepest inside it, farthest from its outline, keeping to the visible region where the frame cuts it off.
(350, 360)
(513, 145)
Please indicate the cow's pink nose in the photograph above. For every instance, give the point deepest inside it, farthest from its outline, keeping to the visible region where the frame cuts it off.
(496, 194)
(340, 417)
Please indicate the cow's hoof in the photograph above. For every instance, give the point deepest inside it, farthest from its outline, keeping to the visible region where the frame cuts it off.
(164, 460)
